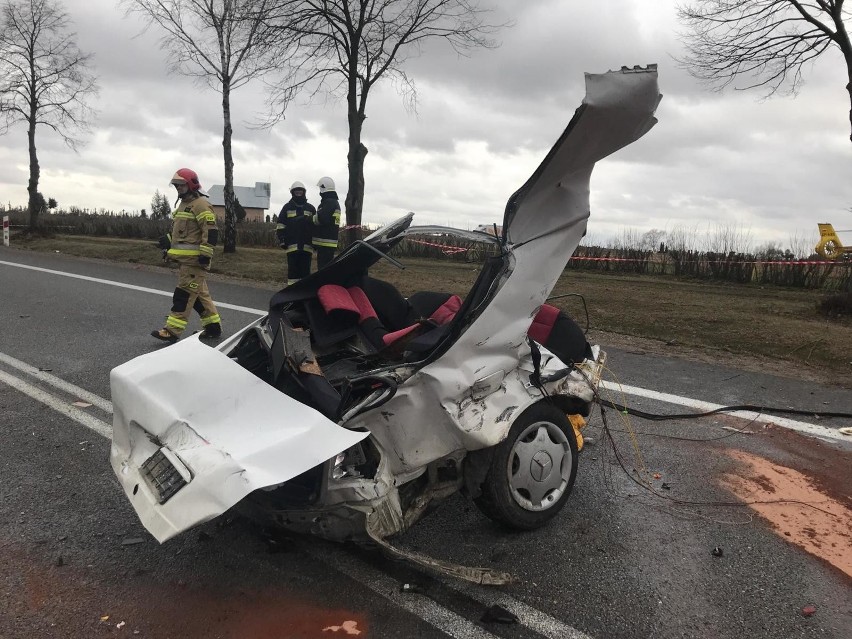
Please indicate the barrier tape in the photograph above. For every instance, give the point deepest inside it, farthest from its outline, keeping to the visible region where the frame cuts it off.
(445, 249)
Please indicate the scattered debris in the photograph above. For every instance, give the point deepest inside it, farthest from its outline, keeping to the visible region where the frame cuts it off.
(82, 404)
(717, 552)
(132, 541)
(657, 476)
(808, 611)
(24, 316)
(349, 627)
(498, 614)
(665, 486)
(105, 618)
(845, 431)
(738, 430)
(119, 625)
(413, 588)
(59, 561)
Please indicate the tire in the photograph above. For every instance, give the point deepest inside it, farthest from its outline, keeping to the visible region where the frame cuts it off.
(532, 471)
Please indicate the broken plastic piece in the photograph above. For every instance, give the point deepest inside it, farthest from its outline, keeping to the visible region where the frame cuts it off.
(807, 611)
(717, 552)
(498, 614)
(132, 541)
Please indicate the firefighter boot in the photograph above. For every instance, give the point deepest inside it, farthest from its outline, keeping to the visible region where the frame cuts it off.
(211, 331)
(165, 336)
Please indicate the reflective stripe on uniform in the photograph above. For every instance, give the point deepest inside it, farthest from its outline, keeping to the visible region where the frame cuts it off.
(205, 216)
(206, 249)
(325, 243)
(183, 248)
(292, 213)
(183, 215)
(212, 319)
(278, 227)
(295, 247)
(176, 322)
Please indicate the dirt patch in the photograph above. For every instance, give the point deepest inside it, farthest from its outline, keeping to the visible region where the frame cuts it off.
(42, 599)
(809, 518)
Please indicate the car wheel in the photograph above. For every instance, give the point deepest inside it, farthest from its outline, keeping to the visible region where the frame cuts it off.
(532, 471)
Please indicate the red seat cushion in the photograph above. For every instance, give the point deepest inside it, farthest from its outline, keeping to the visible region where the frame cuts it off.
(543, 323)
(446, 311)
(365, 309)
(336, 298)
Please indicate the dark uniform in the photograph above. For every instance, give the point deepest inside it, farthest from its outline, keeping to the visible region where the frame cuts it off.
(326, 227)
(294, 233)
(194, 234)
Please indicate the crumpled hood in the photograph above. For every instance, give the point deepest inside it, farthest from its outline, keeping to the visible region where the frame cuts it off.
(228, 430)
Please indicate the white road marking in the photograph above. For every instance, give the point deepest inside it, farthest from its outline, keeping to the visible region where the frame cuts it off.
(56, 382)
(61, 406)
(132, 287)
(532, 618)
(702, 406)
(421, 606)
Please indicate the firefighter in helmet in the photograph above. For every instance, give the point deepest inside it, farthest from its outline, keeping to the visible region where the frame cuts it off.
(294, 233)
(194, 234)
(326, 222)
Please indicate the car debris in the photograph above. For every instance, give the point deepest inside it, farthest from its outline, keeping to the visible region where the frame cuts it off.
(349, 410)
(498, 614)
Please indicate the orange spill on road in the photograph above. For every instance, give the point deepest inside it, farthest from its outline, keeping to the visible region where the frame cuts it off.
(826, 533)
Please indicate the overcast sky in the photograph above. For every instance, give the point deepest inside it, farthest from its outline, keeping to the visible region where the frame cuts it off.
(771, 168)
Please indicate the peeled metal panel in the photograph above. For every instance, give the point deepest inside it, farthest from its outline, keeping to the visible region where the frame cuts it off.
(230, 430)
(618, 109)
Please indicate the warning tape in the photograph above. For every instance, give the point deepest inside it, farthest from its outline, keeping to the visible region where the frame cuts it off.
(446, 249)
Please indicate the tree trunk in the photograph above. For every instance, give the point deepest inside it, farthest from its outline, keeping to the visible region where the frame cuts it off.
(34, 201)
(355, 158)
(230, 243)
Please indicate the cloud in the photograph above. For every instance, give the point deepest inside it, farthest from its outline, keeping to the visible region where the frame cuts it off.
(482, 125)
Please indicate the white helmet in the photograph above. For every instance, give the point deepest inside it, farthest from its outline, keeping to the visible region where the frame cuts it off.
(325, 184)
(297, 185)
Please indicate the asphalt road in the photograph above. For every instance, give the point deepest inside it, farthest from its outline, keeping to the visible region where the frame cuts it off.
(617, 562)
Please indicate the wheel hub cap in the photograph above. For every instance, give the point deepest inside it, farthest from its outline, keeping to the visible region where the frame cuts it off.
(541, 466)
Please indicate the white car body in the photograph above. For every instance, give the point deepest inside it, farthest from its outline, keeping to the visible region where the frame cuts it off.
(224, 434)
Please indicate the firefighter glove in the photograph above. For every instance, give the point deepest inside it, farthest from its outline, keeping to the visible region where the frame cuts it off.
(204, 260)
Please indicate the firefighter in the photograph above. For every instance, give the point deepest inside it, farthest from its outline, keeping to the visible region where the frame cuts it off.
(294, 233)
(194, 234)
(326, 222)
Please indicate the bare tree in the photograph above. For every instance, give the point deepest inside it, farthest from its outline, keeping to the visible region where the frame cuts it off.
(221, 43)
(347, 46)
(764, 42)
(44, 80)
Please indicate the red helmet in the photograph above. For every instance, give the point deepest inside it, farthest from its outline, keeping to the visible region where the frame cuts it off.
(188, 177)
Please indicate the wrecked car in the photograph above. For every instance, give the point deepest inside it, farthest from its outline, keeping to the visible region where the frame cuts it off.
(349, 409)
